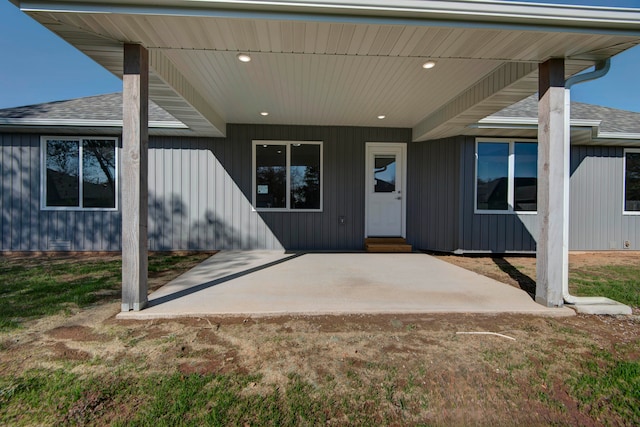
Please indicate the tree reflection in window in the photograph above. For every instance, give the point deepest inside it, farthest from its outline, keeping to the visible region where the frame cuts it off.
(98, 174)
(305, 176)
(62, 162)
(70, 162)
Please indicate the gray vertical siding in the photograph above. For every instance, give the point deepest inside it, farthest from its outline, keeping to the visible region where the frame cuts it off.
(199, 195)
(343, 185)
(200, 198)
(25, 227)
(433, 182)
(597, 221)
(496, 233)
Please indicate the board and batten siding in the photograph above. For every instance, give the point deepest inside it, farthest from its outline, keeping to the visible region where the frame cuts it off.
(25, 227)
(200, 198)
(343, 178)
(199, 195)
(433, 182)
(495, 233)
(597, 220)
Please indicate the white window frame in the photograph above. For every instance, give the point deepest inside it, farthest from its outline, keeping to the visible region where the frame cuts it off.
(510, 178)
(624, 181)
(288, 145)
(43, 172)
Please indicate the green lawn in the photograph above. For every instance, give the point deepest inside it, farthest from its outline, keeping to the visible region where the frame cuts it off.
(40, 286)
(618, 282)
(552, 374)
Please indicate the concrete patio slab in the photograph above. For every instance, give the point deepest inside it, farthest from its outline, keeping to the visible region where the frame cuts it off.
(267, 283)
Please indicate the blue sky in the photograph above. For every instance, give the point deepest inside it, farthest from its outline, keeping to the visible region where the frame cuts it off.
(41, 67)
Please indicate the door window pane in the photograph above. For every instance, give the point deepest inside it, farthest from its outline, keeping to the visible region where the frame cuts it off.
(62, 163)
(98, 174)
(384, 174)
(271, 176)
(493, 172)
(525, 193)
(632, 182)
(305, 176)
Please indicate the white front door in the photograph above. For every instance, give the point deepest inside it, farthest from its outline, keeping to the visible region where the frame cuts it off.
(385, 185)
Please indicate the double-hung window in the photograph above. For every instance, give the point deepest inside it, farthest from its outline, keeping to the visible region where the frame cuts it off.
(287, 175)
(632, 181)
(79, 173)
(506, 176)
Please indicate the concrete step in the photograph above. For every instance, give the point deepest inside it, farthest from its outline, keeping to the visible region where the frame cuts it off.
(387, 245)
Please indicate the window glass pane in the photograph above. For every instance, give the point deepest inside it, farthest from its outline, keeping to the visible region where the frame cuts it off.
(632, 182)
(493, 170)
(305, 176)
(271, 179)
(525, 192)
(98, 174)
(384, 174)
(62, 163)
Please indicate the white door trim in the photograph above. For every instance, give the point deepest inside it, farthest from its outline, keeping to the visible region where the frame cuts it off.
(379, 148)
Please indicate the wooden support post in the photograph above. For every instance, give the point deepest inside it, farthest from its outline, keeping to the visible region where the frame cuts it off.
(135, 147)
(553, 185)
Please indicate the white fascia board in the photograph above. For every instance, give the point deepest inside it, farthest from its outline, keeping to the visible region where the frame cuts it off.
(507, 122)
(473, 12)
(618, 135)
(86, 123)
(497, 122)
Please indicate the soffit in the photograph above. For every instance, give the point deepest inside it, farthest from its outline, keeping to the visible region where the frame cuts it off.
(327, 73)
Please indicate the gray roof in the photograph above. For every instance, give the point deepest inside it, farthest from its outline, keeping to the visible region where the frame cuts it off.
(612, 120)
(99, 107)
(109, 108)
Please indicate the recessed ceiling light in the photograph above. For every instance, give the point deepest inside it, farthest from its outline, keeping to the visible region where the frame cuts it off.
(429, 64)
(381, 116)
(243, 57)
(264, 113)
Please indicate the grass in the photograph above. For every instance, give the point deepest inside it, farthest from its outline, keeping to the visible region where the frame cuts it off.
(608, 386)
(620, 283)
(603, 382)
(63, 398)
(40, 286)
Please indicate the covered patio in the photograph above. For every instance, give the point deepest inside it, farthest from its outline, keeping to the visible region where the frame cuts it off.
(433, 67)
(269, 283)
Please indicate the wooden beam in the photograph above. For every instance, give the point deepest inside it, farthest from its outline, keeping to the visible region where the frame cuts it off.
(552, 251)
(135, 147)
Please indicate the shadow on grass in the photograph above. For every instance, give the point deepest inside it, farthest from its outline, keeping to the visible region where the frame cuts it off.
(525, 282)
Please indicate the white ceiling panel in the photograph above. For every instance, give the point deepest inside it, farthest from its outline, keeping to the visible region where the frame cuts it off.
(325, 89)
(329, 70)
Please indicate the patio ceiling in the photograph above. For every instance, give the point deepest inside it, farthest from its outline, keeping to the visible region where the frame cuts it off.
(340, 64)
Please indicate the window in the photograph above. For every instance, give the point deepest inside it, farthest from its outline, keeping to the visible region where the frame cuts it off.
(506, 176)
(79, 173)
(632, 181)
(287, 175)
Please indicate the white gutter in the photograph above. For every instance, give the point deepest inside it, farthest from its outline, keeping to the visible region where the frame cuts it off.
(473, 13)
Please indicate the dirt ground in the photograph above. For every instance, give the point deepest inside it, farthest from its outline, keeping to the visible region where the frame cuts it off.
(436, 370)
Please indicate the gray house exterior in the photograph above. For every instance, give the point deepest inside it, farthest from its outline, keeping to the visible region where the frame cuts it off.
(200, 188)
(344, 86)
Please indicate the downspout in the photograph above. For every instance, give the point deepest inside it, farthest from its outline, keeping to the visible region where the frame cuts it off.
(602, 68)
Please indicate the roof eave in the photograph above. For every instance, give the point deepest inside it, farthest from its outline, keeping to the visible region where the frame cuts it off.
(473, 13)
